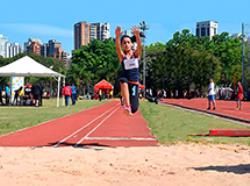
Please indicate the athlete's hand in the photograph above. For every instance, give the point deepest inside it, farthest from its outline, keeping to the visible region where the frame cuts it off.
(135, 31)
(118, 31)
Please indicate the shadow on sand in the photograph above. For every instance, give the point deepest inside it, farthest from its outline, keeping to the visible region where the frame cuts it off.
(237, 169)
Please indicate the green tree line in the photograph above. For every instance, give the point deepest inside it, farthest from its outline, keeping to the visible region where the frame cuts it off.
(185, 62)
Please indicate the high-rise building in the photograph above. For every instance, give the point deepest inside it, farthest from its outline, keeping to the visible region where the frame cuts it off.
(45, 50)
(3, 41)
(84, 32)
(55, 50)
(100, 31)
(13, 49)
(81, 34)
(33, 46)
(206, 29)
(8, 49)
(51, 49)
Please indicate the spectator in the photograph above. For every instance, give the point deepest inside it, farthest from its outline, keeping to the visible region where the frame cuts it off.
(100, 94)
(240, 95)
(74, 94)
(7, 94)
(111, 94)
(67, 93)
(36, 91)
(211, 95)
(16, 96)
(1, 98)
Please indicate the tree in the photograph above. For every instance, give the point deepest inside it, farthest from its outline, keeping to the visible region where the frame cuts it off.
(93, 62)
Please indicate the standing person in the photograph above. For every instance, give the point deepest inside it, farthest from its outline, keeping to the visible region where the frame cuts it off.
(100, 94)
(67, 92)
(1, 97)
(74, 94)
(129, 59)
(7, 94)
(111, 94)
(16, 95)
(211, 95)
(36, 92)
(240, 95)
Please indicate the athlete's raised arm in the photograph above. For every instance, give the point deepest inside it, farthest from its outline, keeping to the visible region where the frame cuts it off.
(119, 51)
(136, 33)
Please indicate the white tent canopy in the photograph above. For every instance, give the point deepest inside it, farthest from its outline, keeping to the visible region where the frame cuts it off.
(27, 66)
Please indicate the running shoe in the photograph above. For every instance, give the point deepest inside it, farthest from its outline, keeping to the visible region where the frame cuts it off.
(127, 110)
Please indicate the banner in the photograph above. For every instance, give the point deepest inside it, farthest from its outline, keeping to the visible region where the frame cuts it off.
(16, 83)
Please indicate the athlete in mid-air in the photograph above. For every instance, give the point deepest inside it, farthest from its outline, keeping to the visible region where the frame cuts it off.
(129, 59)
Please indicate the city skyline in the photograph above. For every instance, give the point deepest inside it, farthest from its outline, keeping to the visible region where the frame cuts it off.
(24, 20)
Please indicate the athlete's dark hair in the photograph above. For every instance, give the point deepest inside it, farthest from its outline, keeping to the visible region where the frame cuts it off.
(125, 36)
(132, 38)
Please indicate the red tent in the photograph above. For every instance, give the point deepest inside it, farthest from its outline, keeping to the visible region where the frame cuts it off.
(103, 84)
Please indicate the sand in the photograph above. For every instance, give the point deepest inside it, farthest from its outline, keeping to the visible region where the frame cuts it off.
(179, 164)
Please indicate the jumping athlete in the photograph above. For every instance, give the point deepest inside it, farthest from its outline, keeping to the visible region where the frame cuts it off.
(129, 59)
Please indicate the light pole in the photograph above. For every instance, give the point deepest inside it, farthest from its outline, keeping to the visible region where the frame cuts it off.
(143, 26)
(243, 52)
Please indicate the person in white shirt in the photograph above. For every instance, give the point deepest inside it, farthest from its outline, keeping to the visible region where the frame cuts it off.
(211, 95)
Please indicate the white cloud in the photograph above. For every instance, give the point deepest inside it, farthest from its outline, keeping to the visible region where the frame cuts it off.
(39, 29)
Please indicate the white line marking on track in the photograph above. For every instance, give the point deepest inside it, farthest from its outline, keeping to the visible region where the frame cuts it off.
(93, 130)
(51, 120)
(80, 129)
(120, 138)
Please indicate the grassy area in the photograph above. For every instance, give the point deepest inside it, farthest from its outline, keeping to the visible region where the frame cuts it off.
(14, 118)
(169, 124)
(173, 125)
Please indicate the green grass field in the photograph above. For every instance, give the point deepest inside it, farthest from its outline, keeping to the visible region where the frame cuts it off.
(14, 118)
(168, 124)
(172, 125)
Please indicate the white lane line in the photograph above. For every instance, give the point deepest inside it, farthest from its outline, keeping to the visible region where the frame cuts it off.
(93, 130)
(120, 138)
(82, 128)
(52, 120)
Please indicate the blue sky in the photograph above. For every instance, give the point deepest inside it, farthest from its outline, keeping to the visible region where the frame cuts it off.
(54, 19)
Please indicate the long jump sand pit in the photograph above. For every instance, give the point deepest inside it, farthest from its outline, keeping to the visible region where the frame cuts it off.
(179, 164)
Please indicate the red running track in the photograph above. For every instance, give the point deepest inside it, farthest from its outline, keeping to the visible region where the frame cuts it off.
(226, 109)
(105, 125)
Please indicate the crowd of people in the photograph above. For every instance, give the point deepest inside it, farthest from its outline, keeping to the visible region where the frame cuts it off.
(238, 95)
(32, 95)
(105, 94)
(28, 95)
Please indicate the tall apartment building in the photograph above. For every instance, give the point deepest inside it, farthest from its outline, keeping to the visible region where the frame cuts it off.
(206, 29)
(51, 49)
(84, 32)
(55, 50)
(8, 49)
(12, 49)
(100, 31)
(81, 34)
(33, 46)
(3, 41)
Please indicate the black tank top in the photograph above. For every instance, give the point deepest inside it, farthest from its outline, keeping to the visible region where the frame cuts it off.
(130, 69)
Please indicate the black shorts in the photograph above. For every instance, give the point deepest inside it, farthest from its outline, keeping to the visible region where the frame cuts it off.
(133, 94)
(36, 97)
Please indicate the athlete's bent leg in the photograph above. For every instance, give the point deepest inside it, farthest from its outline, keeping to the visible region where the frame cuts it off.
(133, 97)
